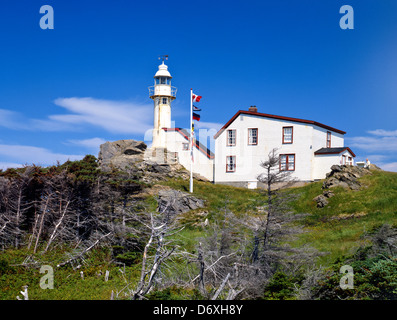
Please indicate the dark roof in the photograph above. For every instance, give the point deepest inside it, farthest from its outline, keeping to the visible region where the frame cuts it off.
(334, 151)
(258, 114)
(198, 144)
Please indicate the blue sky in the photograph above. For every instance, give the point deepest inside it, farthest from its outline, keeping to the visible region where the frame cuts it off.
(65, 91)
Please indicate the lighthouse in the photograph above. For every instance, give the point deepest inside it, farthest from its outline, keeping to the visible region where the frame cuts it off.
(162, 93)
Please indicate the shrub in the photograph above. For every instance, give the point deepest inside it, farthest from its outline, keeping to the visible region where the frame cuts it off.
(129, 258)
(281, 287)
(5, 267)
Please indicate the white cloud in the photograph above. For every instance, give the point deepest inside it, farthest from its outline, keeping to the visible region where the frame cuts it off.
(11, 119)
(383, 133)
(124, 117)
(383, 142)
(113, 116)
(373, 144)
(21, 155)
(90, 144)
(389, 166)
(375, 158)
(6, 165)
(50, 125)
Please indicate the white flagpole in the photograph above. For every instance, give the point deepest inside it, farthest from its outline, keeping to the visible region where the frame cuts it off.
(191, 140)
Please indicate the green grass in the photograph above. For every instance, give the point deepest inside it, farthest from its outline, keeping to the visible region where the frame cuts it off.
(68, 283)
(339, 227)
(237, 200)
(373, 205)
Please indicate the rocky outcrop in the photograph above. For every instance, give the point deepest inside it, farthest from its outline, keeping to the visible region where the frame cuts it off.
(141, 163)
(176, 202)
(134, 159)
(121, 154)
(322, 199)
(345, 176)
(341, 176)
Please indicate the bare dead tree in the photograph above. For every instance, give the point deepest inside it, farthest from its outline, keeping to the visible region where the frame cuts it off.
(273, 178)
(13, 207)
(151, 265)
(62, 220)
(157, 231)
(41, 218)
(243, 252)
(229, 271)
(277, 227)
(81, 253)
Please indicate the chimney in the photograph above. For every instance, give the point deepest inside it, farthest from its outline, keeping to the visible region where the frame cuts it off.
(253, 109)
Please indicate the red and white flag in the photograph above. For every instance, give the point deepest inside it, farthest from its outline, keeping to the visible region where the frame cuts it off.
(196, 98)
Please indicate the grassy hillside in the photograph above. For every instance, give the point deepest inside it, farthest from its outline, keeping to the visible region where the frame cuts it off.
(339, 227)
(336, 230)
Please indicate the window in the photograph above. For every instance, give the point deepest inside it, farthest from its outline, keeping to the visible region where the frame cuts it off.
(164, 100)
(253, 136)
(287, 162)
(231, 137)
(185, 146)
(230, 163)
(288, 133)
(350, 161)
(163, 80)
(328, 139)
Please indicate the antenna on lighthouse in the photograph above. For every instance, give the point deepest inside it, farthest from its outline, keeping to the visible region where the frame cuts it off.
(163, 57)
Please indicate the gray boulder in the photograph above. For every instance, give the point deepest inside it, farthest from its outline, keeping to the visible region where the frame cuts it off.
(322, 198)
(176, 202)
(321, 201)
(340, 176)
(121, 153)
(344, 176)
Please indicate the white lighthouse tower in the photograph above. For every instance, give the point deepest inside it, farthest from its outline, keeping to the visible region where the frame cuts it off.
(162, 93)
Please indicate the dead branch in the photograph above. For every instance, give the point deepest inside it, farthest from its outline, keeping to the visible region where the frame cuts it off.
(218, 292)
(81, 254)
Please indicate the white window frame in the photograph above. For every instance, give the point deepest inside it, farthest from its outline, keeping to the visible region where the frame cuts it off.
(231, 139)
(286, 135)
(231, 165)
(286, 166)
(252, 139)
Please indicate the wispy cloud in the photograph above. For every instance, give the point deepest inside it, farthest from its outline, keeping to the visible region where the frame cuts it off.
(21, 155)
(113, 116)
(376, 158)
(384, 133)
(11, 120)
(6, 165)
(90, 144)
(392, 166)
(380, 147)
(373, 144)
(385, 162)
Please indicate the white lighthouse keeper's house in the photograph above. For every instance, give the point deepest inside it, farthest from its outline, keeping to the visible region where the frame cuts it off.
(170, 142)
(307, 149)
